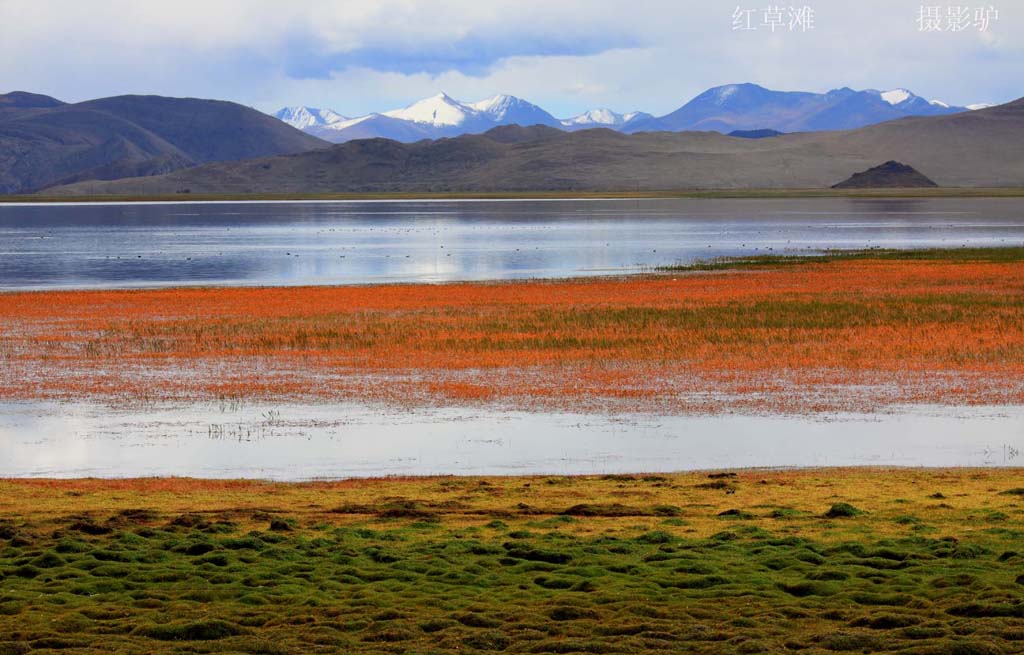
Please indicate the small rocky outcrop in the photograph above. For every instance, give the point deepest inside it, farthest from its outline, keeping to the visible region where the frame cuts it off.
(890, 175)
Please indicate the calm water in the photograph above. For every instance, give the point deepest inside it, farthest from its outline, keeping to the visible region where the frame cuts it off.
(281, 243)
(127, 245)
(296, 442)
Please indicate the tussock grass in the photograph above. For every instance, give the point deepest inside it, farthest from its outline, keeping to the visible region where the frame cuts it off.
(195, 566)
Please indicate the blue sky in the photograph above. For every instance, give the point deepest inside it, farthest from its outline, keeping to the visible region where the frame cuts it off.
(357, 56)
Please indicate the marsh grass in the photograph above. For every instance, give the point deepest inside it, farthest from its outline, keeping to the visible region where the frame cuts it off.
(961, 255)
(922, 326)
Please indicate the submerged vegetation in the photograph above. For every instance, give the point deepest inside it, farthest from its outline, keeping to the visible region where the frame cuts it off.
(850, 331)
(809, 561)
(991, 255)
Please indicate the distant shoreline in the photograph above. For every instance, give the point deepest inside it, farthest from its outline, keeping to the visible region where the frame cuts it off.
(941, 192)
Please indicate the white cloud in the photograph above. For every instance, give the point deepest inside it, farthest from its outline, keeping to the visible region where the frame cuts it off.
(650, 54)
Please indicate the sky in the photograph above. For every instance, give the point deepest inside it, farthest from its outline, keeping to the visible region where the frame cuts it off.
(568, 56)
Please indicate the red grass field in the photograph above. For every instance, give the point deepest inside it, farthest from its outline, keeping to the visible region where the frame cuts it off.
(856, 334)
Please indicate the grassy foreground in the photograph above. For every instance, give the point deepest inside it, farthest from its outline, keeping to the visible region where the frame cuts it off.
(913, 561)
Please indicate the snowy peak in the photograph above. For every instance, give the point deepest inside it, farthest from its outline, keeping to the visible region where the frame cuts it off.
(298, 117)
(505, 109)
(895, 96)
(306, 117)
(497, 106)
(444, 111)
(906, 98)
(440, 110)
(602, 117)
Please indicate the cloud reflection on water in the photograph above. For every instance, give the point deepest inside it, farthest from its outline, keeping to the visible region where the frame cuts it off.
(298, 243)
(294, 442)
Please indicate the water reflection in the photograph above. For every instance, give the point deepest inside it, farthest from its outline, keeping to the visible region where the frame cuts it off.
(295, 442)
(277, 243)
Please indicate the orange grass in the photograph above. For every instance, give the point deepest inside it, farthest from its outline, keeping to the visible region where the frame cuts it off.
(858, 334)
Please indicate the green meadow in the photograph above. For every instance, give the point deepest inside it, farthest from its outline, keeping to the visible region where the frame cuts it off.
(756, 562)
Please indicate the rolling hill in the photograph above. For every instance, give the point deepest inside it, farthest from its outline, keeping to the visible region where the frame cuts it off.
(44, 141)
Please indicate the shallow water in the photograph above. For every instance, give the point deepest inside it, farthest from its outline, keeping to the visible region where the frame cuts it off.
(283, 243)
(298, 243)
(298, 442)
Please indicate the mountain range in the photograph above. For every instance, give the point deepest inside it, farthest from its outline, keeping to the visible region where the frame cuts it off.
(981, 148)
(44, 141)
(442, 116)
(728, 108)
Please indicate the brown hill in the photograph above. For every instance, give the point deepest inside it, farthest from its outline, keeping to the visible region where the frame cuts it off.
(25, 100)
(890, 175)
(977, 149)
(44, 142)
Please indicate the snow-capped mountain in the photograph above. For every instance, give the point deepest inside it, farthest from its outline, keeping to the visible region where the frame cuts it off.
(602, 118)
(431, 118)
(906, 101)
(440, 111)
(728, 108)
(508, 110)
(305, 117)
(898, 98)
(752, 107)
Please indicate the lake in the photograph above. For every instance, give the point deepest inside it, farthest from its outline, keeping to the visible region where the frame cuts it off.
(105, 245)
